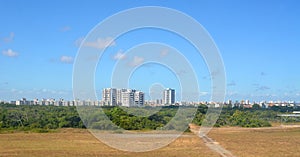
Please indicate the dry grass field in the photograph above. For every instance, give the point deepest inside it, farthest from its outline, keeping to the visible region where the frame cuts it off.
(265, 142)
(77, 142)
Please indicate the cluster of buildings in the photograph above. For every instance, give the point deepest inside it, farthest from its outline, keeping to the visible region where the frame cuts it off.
(47, 102)
(132, 97)
(262, 104)
(122, 97)
(110, 97)
(136, 98)
(168, 98)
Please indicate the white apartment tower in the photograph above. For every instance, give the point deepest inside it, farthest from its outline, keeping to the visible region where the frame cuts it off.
(127, 98)
(169, 96)
(109, 96)
(139, 98)
(122, 97)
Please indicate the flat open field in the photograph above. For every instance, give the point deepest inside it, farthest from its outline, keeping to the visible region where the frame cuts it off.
(77, 142)
(272, 142)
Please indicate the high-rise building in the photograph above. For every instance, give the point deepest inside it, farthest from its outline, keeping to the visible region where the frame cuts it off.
(119, 97)
(127, 98)
(122, 97)
(109, 96)
(169, 96)
(139, 98)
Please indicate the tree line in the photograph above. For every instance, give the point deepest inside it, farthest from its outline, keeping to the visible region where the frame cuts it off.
(45, 118)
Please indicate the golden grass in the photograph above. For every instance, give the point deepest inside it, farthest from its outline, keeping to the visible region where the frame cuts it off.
(265, 142)
(78, 142)
(274, 141)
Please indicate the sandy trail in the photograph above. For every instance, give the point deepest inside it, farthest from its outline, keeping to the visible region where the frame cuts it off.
(210, 143)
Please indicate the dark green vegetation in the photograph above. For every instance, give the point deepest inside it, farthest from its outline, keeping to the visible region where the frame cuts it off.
(115, 118)
(45, 118)
(38, 118)
(240, 117)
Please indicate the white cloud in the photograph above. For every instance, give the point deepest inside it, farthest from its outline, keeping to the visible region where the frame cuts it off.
(262, 88)
(100, 43)
(65, 28)
(137, 60)
(79, 41)
(10, 53)
(119, 55)
(181, 72)
(231, 93)
(164, 52)
(10, 38)
(66, 59)
(203, 93)
(232, 83)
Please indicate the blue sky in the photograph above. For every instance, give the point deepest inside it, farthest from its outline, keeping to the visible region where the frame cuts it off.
(259, 42)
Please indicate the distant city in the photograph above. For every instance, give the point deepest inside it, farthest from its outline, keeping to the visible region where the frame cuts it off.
(136, 98)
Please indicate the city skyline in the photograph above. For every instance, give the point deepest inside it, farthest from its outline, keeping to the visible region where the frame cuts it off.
(140, 102)
(258, 41)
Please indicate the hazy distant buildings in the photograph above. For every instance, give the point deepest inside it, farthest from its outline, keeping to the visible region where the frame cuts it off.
(169, 96)
(132, 98)
(23, 101)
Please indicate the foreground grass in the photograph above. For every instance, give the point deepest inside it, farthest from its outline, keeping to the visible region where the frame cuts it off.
(79, 142)
(265, 142)
(248, 142)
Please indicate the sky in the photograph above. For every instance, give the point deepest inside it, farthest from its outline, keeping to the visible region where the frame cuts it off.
(259, 42)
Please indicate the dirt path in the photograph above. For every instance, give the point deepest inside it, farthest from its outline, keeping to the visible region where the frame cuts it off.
(210, 143)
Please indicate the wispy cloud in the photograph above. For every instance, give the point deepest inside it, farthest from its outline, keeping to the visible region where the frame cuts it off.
(10, 53)
(66, 59)
(100, 43)
(214, 73)
(10, 38)
(78, 41)
(181, 72)
(204, 93)
(164, 52)
(262, 88)
(232, 83)
(211, 75)
(119, 55)
(231, 93)
(136, 61)
(65, 28)
(37, 93)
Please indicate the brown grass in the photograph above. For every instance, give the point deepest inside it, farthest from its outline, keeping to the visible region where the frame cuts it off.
(272, 142)
(77, 142)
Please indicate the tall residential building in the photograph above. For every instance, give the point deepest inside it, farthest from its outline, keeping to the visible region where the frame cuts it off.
(109, 96)
(127, 98)
(119, 96)
(169, 96)
(122, 97)
(139, 98)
